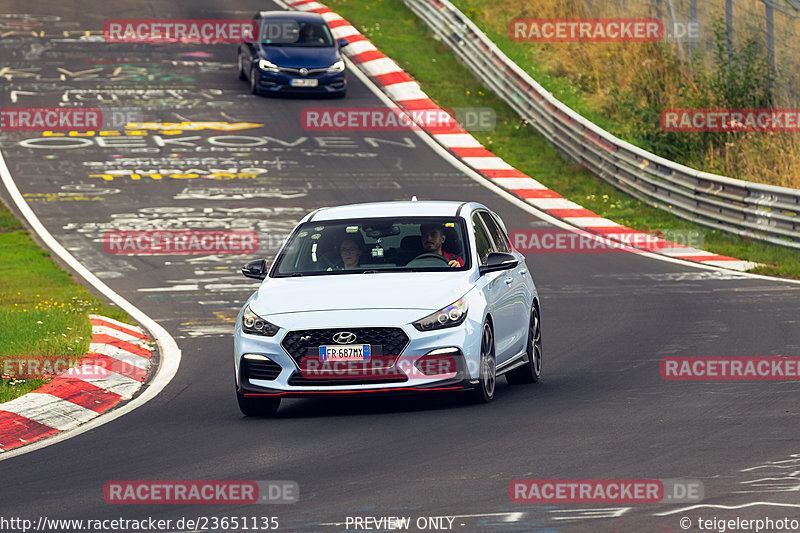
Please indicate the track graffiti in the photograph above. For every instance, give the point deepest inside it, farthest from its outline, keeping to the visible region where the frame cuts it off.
(264, 220)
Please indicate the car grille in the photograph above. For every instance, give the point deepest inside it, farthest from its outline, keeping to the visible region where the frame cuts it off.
(296, 71)
(267, 370)
(307, 342)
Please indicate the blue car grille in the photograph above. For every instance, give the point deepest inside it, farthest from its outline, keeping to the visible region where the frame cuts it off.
(296, 71)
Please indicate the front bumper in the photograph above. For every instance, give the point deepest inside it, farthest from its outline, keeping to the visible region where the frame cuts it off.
(328, 83)
(406, 372)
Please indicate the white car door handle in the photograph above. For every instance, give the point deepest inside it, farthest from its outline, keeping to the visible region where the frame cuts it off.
(509, 280)
(523, 271)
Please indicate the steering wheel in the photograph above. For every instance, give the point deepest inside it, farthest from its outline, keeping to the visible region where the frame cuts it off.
(428, 255)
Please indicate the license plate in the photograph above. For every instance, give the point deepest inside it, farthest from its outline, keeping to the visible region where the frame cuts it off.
(345, 352)
(304, 82)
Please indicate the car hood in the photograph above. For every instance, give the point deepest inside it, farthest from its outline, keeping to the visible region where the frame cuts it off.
(397, 290)
(297, 57)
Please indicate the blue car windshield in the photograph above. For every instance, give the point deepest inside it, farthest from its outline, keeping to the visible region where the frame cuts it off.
(375, 245)
(283, 32)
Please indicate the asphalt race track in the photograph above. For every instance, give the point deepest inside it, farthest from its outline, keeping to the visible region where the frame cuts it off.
(601, 411)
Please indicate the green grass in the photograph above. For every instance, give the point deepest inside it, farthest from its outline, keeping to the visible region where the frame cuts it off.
(398, 33)
(43, 310)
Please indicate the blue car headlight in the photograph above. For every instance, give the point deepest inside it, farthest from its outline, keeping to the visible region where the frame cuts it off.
(269, 66)
(255, 325)
(447, 317)
(337, 67)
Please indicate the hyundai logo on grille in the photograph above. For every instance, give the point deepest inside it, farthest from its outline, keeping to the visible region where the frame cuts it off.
(344, 337)
(304, 71)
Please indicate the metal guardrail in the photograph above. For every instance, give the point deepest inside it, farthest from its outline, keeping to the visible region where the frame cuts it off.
(763, 212)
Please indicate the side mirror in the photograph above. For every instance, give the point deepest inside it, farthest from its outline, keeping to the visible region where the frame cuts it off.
(255, 269)
(498, 261)
(343, 43)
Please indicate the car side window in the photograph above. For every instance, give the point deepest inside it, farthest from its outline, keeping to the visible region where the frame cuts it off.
(497, 233)
(483, 246)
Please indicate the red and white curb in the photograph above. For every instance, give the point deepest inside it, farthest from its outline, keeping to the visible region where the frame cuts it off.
(118, 363)
(407, 94)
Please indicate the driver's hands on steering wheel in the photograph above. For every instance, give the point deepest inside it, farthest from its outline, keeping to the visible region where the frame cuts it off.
(450, 262)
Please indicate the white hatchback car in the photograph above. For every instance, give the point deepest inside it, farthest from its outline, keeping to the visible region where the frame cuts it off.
(388, 297)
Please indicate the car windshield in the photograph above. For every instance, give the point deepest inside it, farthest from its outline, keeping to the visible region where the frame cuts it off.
(374, 245)
(283, 32)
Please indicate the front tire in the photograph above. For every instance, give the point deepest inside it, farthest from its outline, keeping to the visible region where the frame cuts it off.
(253, 80)
(532, 369)
(255, 406)
(487, 377)
(240, 67)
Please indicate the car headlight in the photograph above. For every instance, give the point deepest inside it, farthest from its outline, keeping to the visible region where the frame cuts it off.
(263, 64)
(255, 325)
(337, 67)
(448, 317)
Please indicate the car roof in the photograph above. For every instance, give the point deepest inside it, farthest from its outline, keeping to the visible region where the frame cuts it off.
(292, 15)
(394, 209)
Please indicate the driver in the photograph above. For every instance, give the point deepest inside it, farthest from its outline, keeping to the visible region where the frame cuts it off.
(309, 35)
(433, 236)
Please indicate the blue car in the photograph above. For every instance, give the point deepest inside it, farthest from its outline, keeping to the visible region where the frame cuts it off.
(384, 298)
(294, 53)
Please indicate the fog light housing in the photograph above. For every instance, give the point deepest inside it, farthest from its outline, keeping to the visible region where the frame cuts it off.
(439, 361)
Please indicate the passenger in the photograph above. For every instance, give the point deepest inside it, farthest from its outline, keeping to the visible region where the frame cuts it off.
(351, 248)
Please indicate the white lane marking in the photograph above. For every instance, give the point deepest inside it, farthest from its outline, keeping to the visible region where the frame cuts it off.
(487, 163)
(406, 90)
(107, 380)
(378, 67)
(49, 410)
(553, 203)
(343, 32)
(460, 140)
(519, 183)
(192, 287)
(170, 354)
(309, 6)
(591, 513)
(728, 507)
(359, 47)
(679, 251)
(794, 462)
(772, 484)
(734, 265)
(330, 17)
(592, 222)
